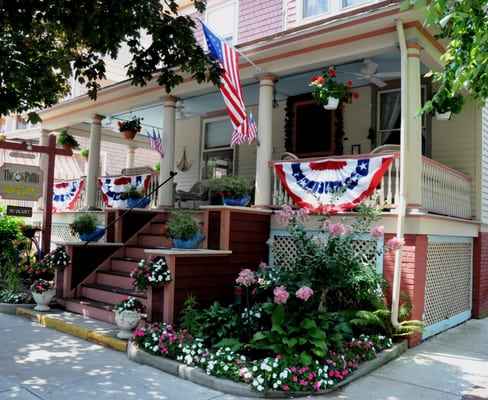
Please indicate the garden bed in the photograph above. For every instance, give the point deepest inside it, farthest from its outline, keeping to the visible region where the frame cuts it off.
(227, 386)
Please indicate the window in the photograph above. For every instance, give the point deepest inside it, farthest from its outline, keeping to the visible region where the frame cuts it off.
(389, 118)
(222, 21)
(218, 155)
(315, 8)
(312, 128)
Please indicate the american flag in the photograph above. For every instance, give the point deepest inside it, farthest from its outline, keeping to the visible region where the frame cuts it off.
(253, 129)
(230, 85)
(155, 141)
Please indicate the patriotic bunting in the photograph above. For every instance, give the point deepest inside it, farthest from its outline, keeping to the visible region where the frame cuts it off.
(65, 194)
(332, 184)
(113, 187)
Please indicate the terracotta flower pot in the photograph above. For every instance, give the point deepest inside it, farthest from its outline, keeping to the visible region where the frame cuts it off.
(129, 134)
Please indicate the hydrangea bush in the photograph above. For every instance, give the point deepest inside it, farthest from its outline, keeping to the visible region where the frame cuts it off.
(297, 328)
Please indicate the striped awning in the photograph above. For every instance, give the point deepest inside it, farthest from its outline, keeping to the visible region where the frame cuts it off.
(65, 167)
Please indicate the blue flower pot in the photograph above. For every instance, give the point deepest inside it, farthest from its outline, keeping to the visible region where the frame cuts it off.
(141, 202)
(237, 201)
(94, 236)
(192, 243)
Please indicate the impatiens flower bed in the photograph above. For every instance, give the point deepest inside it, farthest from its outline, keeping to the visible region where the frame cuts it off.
(275, 373)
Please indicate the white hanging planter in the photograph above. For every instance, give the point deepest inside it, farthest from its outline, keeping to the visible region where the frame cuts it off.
(443, 116)
(332, 103)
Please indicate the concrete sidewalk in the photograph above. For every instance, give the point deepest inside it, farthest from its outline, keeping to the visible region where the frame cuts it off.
(41, 363)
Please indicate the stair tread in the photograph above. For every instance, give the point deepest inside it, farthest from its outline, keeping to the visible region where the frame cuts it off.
(115, 289)
(93, 303)
(114, 272)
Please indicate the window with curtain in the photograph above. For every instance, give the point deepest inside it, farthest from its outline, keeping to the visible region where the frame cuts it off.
(389, 117)
(218, 155)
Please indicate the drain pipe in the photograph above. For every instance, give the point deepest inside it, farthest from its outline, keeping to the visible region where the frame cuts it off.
(395, 300)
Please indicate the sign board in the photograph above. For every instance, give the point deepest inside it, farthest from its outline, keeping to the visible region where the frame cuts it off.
(21, 182)
(18, 211)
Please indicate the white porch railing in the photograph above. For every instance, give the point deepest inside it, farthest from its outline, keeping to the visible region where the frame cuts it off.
(444, 191)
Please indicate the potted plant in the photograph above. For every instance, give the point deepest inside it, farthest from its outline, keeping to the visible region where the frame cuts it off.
(134, 197)
(57, 258)
(85, 153)
(67, 140)
(184, 229)
(43, 292)
(150, 272)
(234, 190)
(329, 93)
(444, 104)
(86, 226)
(127, 315)
(131, 127)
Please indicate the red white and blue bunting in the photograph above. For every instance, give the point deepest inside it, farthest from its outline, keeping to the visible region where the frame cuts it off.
(113, 187)
(65, 194)
(332, 185)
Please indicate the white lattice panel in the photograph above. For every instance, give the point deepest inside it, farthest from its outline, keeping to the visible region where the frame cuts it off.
(283, 244)
(448, 281)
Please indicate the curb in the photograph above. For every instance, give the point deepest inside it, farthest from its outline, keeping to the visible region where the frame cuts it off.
(51, 321)
(198, 376)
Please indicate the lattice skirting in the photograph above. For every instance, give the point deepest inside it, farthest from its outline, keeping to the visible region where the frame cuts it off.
(448, 282)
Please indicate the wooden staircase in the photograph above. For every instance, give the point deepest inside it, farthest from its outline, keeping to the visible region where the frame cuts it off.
(96, 296)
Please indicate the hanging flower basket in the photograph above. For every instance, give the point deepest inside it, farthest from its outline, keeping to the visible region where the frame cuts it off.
(331, 94)
(130, 128)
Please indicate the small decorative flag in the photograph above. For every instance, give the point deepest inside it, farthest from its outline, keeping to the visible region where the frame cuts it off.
(155, 141)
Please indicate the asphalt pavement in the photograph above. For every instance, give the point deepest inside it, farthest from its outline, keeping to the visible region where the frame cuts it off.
(37, 362)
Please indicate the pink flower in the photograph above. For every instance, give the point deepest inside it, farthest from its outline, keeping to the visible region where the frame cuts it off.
(337, 229)
(246, 278)
(395, 244)
(304, 293)
(377, 232)
(280, 295)
(284, 216)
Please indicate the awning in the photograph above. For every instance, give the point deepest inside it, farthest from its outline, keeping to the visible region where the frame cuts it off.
(65, 167)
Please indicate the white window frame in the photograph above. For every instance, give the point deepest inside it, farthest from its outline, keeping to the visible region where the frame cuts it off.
(231, 169)
(335, 7)
(230, 37)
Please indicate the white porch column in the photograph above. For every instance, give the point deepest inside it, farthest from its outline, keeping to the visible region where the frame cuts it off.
(93, 161)
(167, 162)
(43, 141)
(264, 150)
(129, 160)
(413, 137)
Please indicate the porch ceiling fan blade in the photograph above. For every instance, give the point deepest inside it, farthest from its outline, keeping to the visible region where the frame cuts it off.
(378, 82)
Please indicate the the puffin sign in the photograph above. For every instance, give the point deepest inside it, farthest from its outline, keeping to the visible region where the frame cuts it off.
(20, 182)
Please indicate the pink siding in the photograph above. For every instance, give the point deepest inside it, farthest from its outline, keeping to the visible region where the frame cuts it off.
(259, 18)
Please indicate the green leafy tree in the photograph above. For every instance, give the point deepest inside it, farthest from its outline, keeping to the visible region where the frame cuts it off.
(43, 43)
(463, 24)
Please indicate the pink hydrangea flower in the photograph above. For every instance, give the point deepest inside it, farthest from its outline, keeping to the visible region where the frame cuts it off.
(284, 216)
(377, 232)
(304, 293)
(395, 244)
(280, 295)
(246, 278)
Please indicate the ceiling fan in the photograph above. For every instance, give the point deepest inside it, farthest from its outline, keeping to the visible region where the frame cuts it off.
(369, 72)
(183, 112)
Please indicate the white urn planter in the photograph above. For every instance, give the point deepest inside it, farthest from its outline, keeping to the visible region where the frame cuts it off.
(126, 321)
(332, 103)
(43, 299)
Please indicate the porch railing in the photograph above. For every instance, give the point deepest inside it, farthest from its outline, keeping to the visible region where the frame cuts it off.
(444, 191)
